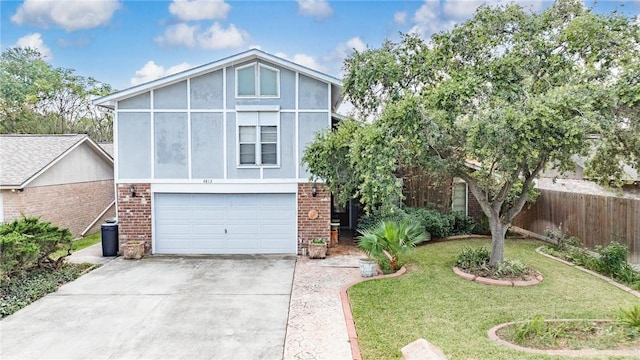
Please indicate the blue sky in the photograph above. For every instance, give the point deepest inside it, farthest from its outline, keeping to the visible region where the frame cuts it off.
(129, 42)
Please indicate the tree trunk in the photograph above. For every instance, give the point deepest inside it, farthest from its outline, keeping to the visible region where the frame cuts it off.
(498, 232)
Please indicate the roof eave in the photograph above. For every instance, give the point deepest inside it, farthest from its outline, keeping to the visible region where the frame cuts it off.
(108, 101)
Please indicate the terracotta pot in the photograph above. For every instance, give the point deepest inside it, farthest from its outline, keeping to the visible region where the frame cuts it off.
(318, 251)
(133, 250)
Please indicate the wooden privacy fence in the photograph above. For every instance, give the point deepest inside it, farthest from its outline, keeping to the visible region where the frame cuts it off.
(422, 190)
(594, 219)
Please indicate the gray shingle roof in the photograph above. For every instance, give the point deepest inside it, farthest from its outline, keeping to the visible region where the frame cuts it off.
(108, 147)
(23, 156)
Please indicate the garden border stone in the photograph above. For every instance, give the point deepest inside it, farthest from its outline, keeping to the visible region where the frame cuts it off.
(348, 315)
(600, 276)
(488, 281)
(493, 335)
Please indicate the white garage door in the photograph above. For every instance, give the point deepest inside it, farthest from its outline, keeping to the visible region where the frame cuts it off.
(225, 223)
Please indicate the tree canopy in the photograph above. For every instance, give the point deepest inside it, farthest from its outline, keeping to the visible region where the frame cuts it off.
(494, 101)
(37, 98)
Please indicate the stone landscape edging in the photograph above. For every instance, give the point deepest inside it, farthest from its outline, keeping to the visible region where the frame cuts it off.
(493, 335)
(488, 281)
(600, 276)
(348, 315)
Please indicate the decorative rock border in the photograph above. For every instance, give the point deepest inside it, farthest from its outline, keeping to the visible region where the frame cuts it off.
(348, 315)
(493, 335)
(488, 281)
(600, 276)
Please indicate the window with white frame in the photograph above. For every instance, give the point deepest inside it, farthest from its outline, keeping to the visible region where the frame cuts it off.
(257, 80)
(459, 196)
(258, 137)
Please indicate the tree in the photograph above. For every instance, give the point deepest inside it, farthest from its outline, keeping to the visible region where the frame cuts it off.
(36, 98)
(494, 101)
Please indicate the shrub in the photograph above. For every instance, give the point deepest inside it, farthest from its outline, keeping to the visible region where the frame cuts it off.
(562, 240)
(434, 222)
(372, 219)
(473, 258)
(390, 239)
(581, 257)
(509, 268)
(631, 317)
(462, 224)
(535, 327)
(28, 287)
(27, 242)
(613, 258)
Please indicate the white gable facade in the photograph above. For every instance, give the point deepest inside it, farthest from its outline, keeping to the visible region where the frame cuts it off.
(208, 161)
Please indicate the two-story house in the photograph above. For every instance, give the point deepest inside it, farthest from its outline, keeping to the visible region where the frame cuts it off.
(207, 161)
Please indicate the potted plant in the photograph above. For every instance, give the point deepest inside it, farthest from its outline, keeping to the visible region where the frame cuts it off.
(317, 248)
(387, 239)
(133, 250)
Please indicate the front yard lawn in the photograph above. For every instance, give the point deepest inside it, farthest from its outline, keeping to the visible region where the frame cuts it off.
(431, 302)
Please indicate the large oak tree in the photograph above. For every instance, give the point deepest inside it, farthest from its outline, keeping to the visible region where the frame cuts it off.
(494, 101)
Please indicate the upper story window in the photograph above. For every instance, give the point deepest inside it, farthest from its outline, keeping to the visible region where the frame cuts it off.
(258, 138)
(257, 80)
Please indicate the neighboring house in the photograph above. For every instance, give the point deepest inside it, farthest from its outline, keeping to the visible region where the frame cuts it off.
(208, 161)
(108, 147)
(64, 179)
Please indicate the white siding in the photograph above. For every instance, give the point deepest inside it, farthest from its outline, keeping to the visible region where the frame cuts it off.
(83, 164)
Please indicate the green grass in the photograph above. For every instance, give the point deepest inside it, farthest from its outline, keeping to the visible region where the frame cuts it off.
(431, 302)
(79, 244)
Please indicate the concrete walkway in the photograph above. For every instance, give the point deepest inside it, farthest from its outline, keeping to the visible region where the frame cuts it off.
(316, 328)
(91, 255)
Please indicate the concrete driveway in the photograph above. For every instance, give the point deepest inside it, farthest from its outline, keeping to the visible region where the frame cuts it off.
(160, 308)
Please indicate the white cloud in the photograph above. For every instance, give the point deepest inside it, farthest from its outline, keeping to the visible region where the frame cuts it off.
(179, 34)
(460, 9)
(70, 15)
(187, 10)
(217, 37)
(344, 49)
(319, 9)
(400, 17)
(34, 41)
(214, 37)
(464, 9)
(308, 61)
(151, 71)
(429, 19)
(435, 16)
(302, 59)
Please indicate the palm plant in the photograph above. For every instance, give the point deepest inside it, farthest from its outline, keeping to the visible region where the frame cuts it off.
(390, 239)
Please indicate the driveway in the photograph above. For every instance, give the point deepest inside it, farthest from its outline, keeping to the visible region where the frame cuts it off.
(160, 308)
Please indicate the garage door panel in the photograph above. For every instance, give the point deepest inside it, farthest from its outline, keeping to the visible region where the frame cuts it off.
(224, 223)
(209, 244)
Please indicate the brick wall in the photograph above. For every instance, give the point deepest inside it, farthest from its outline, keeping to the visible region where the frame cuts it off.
(134, 214)
(73, 206)
(473, 209)
(309, 229)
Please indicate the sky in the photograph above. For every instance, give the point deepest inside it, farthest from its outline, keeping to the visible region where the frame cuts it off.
(125, 43)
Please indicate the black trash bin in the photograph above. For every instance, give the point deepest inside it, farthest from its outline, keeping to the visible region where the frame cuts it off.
(109, 239)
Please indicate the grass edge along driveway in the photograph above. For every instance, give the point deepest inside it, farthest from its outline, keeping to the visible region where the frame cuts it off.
(431, 302)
